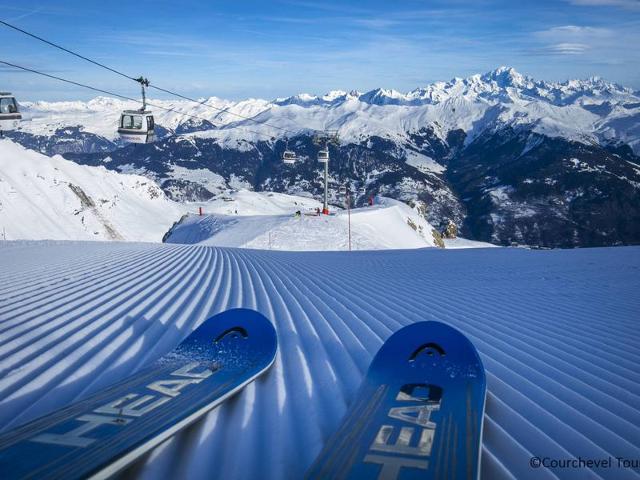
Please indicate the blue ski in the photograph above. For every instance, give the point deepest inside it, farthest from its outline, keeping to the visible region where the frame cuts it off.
(101, 435)
(417, 415)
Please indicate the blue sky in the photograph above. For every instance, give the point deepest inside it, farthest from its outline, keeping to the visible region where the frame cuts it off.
(239, 49)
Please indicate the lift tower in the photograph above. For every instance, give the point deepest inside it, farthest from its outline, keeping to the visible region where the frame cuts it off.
(324, 139)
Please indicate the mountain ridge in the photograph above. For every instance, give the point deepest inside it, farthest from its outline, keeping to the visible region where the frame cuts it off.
(431, 147)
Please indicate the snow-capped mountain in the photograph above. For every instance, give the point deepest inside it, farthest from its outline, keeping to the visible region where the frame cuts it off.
(507, 157)
(591, 109)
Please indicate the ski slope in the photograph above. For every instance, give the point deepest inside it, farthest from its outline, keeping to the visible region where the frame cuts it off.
(52, 198)
(389, 225)
(556, 330)
(460, 242)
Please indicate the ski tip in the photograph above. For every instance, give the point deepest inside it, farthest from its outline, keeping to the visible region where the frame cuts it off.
(244, 318)
(433, 343)
(238, 328)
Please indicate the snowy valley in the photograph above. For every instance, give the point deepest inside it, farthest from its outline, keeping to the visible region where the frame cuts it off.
(504, 156)
(52, 198)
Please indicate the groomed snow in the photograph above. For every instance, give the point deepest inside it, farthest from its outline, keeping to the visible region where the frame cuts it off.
(388, 225)
(556, 330)
(460, 242)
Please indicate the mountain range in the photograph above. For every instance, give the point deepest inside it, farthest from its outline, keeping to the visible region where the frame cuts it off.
(508, 158)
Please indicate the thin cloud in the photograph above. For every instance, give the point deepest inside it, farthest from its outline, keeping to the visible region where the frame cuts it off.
(327, 7)
(573, 32)
(376, 22)
(46, 10)
(152, 39)
(8, 69)
(567, 49)
(293, 20)
(5, 69)
(589, 45)
(607, 3)
(570, 39)
(26, 14)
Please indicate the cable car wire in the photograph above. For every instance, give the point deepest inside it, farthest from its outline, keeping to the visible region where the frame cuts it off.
(26, 69)
(66, 50)
(151, 85)
(221, 110)
(107, 92)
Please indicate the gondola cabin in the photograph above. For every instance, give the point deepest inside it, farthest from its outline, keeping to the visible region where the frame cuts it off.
(137, 126)
(289, 157)
(9, 113)
(323, 156)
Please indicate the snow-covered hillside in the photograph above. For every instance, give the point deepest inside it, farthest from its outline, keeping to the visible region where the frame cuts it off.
(556, 331)
(52, 198)
(591, 110)
(388, 225)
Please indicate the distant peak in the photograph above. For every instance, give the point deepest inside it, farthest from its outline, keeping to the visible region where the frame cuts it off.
(504, 69)
(505, 77)
(334, 95)
(383, 96)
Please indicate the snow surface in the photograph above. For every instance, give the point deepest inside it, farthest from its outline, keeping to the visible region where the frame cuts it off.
(556, 330)
(460, 242)
(246, 202)
(52, 198)
(388, 225)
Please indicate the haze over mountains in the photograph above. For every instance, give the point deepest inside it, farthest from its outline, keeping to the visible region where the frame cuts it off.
(507, 157)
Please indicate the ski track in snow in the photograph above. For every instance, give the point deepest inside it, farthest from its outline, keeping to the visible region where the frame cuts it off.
(556, 330)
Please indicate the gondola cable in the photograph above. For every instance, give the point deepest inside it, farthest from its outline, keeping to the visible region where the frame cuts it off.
(55, 45)
(107, 92)
(150, 85)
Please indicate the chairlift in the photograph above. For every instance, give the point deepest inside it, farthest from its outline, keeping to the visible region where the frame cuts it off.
(9, 112)
(343, 190)
(137, 126)
(323, 155)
